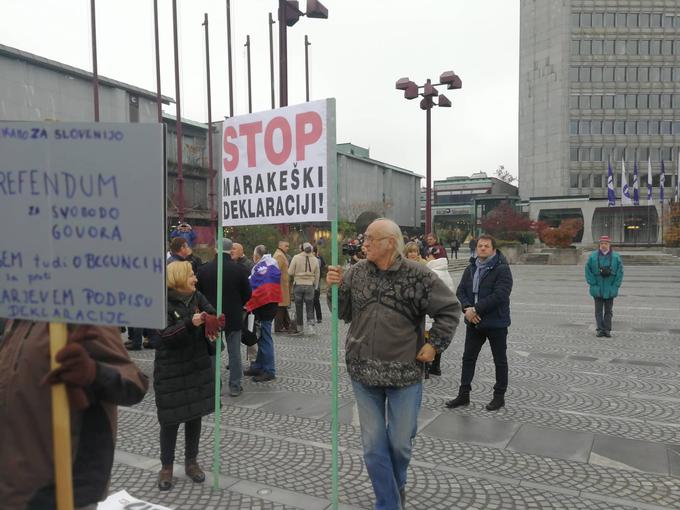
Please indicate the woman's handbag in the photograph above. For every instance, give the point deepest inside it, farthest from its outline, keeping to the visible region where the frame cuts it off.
(250, 333)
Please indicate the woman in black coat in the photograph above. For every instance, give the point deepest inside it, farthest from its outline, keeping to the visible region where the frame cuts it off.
(183, 375)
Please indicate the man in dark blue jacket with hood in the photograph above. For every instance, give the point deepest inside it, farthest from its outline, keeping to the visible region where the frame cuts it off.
(484, 293)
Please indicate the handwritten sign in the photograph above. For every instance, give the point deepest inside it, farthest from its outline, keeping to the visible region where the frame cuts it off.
(275, 165)
(82, 210)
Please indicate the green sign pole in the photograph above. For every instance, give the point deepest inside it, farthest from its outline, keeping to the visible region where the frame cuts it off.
(334, 366)
(218, 366)
(334, 192)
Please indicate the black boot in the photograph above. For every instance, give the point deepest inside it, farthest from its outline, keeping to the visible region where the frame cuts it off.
(435, 368)
(495, 404)
(462, 399)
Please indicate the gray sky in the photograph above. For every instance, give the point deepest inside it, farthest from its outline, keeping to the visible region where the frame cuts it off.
(356, 56)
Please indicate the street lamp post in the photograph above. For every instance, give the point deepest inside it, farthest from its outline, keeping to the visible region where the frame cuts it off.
(411, 91)
(289, 14)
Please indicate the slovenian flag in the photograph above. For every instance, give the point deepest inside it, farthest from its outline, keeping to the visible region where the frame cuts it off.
(265, 282)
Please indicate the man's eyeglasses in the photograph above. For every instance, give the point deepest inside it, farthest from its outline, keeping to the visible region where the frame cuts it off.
(371, 239)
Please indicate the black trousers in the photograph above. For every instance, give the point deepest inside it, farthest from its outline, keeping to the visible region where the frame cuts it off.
(192, 435)
(603, 314)
(474, 339)
(317, 304)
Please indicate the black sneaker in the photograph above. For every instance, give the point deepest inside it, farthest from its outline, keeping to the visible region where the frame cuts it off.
(264, 377)
(600, 334)
(496, 403)
(463, 399)
(607, 334)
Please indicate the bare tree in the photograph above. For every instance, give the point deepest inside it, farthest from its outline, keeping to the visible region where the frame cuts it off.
(504, 175)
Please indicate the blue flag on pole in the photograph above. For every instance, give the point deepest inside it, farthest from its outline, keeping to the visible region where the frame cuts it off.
(649, 181)
(636, 185)
(611, 194)
(662, 182)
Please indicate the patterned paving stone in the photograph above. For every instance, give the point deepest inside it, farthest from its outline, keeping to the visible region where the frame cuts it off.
(185, 495)
(562, 378)
(278, 440)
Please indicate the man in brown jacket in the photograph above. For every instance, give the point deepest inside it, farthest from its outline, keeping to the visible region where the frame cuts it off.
(99, 376)
(282, 322)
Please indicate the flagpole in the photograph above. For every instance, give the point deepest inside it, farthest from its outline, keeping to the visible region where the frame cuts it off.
(662, 185)
(623, 174)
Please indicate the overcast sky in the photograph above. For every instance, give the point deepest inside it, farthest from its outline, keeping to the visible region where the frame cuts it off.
(356, 56)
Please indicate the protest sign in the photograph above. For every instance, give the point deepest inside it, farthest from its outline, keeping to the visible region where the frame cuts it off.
(275, 165)
(83, 223)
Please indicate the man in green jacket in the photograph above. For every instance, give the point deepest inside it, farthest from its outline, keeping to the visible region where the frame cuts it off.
(604, 274)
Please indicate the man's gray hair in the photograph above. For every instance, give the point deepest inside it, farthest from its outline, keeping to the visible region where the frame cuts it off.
(260, 250)
(393, 231)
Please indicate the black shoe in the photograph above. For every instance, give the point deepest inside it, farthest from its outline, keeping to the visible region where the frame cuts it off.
(607, 334)
(252, 372)
(600, 334)
(495, 404)
(435, 370)
(264, 377)
(132, 347)
(462, 399)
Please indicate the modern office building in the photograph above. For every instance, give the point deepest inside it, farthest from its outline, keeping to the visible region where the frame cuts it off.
(599, 81)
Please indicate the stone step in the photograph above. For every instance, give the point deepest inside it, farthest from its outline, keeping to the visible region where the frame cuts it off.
(536, 258)
(458, 264)
(649, 260)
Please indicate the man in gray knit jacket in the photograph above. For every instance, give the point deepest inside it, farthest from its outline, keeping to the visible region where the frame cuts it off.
(385, 298)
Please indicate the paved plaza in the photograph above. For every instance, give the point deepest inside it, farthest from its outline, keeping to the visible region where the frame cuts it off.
(591, 423)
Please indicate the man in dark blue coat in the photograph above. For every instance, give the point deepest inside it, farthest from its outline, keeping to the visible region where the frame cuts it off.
(235, 293)
(484, 293)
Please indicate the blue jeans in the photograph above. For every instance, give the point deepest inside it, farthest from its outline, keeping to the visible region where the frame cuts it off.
(265, 350)
(389, 422)
(234, 354)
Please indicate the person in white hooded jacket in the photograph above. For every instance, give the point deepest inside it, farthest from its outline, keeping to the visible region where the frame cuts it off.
(440, 267)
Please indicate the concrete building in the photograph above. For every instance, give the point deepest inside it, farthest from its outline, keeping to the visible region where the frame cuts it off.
(371, 186)
(599, 81)
(35, 88)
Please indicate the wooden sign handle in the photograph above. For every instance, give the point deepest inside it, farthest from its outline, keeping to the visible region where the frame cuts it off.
(61, 426)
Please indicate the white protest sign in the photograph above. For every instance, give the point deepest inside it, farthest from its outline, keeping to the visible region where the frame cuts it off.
(121, 500)
(275, 165)
(83, 223)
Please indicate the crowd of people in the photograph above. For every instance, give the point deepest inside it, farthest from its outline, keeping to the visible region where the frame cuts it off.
(398, 298)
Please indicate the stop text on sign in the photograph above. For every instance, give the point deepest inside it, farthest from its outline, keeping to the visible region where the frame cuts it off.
(306, 130)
